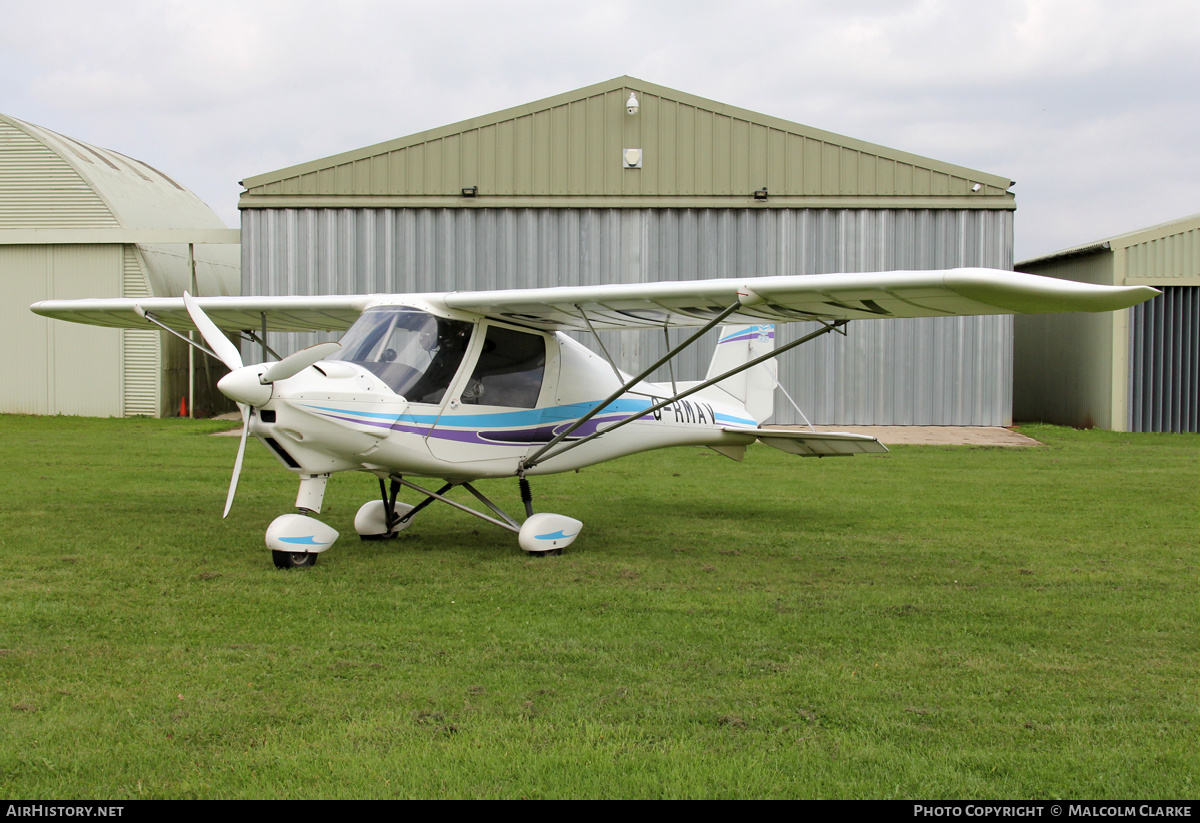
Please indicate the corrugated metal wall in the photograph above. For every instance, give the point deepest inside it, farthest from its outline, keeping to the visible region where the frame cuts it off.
(941, 371)
(25, 276)
(1074, 386)
(140, 370)
(53, 367)
(1164, 349)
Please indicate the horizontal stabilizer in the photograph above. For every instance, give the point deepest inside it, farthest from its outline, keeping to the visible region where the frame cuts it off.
(807, 443)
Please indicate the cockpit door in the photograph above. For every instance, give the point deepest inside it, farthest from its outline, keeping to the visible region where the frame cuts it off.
(496, 404)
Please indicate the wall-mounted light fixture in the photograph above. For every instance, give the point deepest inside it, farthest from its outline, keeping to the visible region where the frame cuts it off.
(471, 192)
(761, 194)
(631, 105)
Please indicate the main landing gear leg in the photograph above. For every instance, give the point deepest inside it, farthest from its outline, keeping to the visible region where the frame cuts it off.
(526, 495)
(540, 534)
(385, 518)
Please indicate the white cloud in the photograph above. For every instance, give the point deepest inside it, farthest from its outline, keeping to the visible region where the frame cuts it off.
(1089, 104)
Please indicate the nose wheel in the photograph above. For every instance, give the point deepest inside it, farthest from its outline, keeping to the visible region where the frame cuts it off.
(293, 560)
(295, 540)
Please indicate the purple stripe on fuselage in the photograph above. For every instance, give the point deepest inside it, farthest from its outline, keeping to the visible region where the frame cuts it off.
(506, 437)
(521, 436)
(544, 434)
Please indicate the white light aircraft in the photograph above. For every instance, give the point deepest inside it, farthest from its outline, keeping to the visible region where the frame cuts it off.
(464, 386)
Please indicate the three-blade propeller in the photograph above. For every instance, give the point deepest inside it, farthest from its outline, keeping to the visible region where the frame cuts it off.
(249, 386)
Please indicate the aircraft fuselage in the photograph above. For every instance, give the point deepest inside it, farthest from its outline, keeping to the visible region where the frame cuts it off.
(343, 415)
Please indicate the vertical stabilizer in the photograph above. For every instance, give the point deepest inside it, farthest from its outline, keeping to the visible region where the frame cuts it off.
(755, 387)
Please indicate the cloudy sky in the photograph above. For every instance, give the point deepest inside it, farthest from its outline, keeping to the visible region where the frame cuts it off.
(1092, 106)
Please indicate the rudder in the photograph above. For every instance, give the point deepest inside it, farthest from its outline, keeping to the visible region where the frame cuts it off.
(754, 387)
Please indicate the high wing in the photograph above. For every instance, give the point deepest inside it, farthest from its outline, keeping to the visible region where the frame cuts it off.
(321, 313)
(825, 297)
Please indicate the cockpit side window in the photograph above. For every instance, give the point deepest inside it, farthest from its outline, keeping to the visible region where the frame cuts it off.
(510, 370)
(412, 351)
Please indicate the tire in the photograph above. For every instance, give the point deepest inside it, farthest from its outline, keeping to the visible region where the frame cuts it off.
(293, 560)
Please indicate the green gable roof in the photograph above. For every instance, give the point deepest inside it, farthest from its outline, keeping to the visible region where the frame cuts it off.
(567, 151)
(1165, 254)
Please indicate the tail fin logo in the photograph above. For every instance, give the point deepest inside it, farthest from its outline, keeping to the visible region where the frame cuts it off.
(758, 334)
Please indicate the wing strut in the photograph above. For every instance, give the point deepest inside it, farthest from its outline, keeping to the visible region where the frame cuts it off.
(537, 456)
(612, 363)
(671, 364)
(150, 318)
(533, 459)
(254, 337)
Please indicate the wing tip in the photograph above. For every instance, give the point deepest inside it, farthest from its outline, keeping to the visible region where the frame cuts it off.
(1023, 293)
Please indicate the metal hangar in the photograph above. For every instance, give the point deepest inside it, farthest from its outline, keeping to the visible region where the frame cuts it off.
(628, 181)
(1135, 370)
(81, 221)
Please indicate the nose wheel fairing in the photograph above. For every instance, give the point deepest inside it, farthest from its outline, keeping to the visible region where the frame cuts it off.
(299, 534)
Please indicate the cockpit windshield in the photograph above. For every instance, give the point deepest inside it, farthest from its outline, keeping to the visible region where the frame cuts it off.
(412, 351)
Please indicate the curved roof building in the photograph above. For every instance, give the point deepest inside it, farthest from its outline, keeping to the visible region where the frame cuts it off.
(81, 221)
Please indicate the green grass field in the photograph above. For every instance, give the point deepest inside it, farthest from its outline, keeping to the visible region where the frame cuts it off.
(938, 622)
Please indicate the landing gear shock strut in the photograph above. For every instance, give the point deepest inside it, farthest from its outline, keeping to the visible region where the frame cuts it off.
(526, 494)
